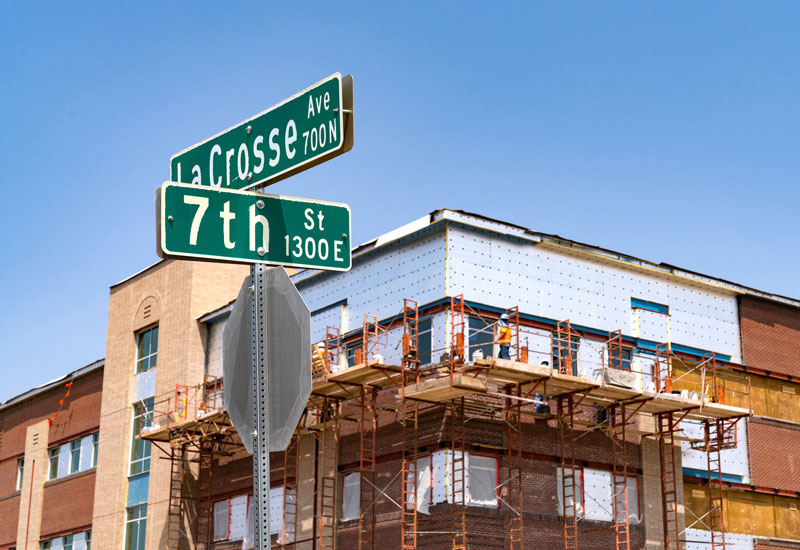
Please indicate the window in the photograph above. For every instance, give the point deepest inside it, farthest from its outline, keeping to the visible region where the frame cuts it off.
(424, 468)
(351, 496)
(483, 481)
(569, 362)
(67, 542)
(135, 526)
(20, 471)
(140, 450)
(231, 518)
(74, 456)
(574, 494)
(351, 355)
(88, 540)
(95, 444)
(481, 337)
(424, 341)
(53, 454)
(632, 490)
(617, 361)
(222, 511)
(46, 544)
(146, 349)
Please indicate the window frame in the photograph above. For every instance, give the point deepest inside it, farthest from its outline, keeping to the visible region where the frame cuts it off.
(129, 522)
(74, 465)
(487, 329)
(429, 457)
(146, 445)
(574, 349)
(420, 333)
(583, 490)
(53, 453)
(150, 357)
(344, 475)
(95, 448)
(20, 472)
(214, 538)
(469, 488)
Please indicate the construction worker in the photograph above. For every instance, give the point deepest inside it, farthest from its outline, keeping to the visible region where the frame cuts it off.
(504, 337)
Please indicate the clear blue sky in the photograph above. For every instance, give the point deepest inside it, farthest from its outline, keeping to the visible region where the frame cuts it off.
(670, 133)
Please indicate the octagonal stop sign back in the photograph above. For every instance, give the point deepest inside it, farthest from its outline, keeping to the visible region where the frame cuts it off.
(287, 340)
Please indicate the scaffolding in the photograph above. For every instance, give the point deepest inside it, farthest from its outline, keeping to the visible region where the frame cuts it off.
(463, 386)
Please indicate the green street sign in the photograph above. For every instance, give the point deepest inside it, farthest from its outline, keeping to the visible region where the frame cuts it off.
(300, 132)
(206, 223)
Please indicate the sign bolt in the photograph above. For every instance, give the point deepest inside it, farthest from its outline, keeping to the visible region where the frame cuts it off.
(344, 236)
(250, 176)
(255, 434)
(249, 129)
(259, 204)
(169, 219)
(261, 251)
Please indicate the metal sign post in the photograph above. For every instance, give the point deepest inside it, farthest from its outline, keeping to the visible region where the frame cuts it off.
(258, 275)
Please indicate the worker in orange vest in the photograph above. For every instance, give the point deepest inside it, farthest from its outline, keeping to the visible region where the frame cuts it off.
(504, 337)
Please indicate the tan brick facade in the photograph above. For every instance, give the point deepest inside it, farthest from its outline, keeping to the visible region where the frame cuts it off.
(172, 294)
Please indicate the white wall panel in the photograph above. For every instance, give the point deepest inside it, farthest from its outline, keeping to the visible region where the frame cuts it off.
(144, 385)
(555, 284)
(63, 460)
(697, 539)
(214, 346)
(87, 452)
(238, 517)
(412, 267)
(597, 494)
(734, 461)
(330, 317)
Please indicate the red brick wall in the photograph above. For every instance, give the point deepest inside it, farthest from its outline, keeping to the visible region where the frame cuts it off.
(68, 503)
(487, 527)
(770, 335)
(774, 456)
(9, 516)
(79, 415)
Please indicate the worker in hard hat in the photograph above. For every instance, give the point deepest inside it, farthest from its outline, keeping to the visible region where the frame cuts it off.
(504, 337)
(317, 360)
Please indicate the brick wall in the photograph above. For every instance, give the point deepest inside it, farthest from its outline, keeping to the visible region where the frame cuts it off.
(487, 528)
(770, 335)
(767, 443)
(9, 511)
(79, 416)
(68, 504)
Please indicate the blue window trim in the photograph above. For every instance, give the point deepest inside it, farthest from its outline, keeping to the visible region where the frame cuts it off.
(733, 478)
(638, 303)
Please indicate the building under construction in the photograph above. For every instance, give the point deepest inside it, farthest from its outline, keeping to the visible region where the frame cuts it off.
(643, 406)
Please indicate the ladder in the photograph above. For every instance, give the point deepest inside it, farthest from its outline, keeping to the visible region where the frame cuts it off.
(715, 441)
(409, 415)
(619, 453)
(329, 446)
(669, 479)
(564, 349)
(458, 442)
(569, 486)
(290, 481)
(205, 459)
(175, 505)
(367, 428)
(515, 496)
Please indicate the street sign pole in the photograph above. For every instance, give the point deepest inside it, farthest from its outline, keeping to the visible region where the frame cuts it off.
(261, 480)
